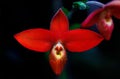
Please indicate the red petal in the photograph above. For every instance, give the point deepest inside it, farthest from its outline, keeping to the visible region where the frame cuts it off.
(59, 22)
(81, 40)
(105, 28)
(114, 6)
(35, 39)
(91, 19)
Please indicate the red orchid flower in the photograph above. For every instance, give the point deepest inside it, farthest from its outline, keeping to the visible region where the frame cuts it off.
(57, 40)
(103, 18)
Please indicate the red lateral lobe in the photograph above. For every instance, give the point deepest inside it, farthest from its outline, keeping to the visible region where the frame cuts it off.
(81, 40)
(35, 39)
(92, 19)
(59, 22)
(114, 7)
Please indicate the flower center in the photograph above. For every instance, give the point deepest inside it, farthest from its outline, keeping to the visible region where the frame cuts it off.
(108, 21)
(58, 50)
(106, 17)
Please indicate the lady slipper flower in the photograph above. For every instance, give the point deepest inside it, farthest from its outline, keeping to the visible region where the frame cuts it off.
(103, 18)
(58, 39)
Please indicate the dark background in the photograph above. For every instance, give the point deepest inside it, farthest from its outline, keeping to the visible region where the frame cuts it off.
(17, 62)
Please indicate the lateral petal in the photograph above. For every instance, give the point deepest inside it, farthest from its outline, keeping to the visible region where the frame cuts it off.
(81, 40)
(35, 39)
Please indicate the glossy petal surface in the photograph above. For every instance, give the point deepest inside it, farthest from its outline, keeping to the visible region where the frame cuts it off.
(81, 40)
(35, 39)
(59, 22)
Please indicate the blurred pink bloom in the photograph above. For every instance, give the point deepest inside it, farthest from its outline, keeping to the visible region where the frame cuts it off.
(103, 18)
